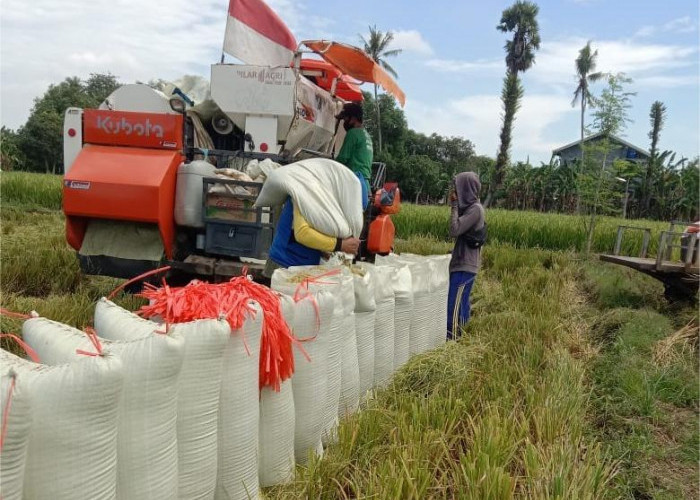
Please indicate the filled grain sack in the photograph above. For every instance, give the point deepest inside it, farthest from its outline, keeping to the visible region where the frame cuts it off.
(327, 193)
(146, 438)
(72, 451)
(312, 318)
(239, 412)
(276, 434)
(299, 281)
(349, 368)
(383, 325)
(439, 287)
(199, 387)
(365, 312)
(16, 411)
(403, 310)
(422, 316)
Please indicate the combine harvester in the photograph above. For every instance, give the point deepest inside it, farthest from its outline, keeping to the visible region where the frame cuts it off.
(140, 188)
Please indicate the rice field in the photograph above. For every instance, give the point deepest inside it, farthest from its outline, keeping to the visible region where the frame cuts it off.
(553, 392)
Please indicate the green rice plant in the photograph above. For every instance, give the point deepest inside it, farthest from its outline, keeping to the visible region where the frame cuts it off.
(524, 229)
(31, 190)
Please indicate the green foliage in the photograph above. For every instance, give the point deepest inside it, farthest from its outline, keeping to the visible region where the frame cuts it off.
(612, 114)
(521, 20)
(10, 152)
(40, 140)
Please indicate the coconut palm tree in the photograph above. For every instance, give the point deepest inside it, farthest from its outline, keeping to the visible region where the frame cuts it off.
(376, 45)
(585, 74)
(521, 20)
(657, 118)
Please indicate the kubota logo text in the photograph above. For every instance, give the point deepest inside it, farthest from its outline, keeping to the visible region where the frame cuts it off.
(129, 127)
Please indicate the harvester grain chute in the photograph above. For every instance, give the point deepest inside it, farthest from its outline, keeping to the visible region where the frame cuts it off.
(141, 186)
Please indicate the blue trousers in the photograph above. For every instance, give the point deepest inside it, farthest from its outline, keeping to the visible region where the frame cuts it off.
(458, 308)
(365, 190)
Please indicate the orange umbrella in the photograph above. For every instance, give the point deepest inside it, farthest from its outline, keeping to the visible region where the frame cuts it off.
(356, 64)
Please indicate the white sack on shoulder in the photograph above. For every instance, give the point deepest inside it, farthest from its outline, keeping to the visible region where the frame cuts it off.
(327, 193)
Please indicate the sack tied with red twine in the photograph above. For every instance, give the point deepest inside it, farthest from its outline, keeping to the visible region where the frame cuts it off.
(231, 299)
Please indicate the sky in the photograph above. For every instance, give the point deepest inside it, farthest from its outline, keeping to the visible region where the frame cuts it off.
(451, 66)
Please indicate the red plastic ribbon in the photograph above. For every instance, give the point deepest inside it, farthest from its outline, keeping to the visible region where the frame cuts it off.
(30, 352)
(94, 339)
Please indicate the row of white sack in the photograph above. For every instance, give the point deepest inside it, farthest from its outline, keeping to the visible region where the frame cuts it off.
(195, 423)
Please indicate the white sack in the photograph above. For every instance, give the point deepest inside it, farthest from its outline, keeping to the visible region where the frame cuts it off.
(403, 310)
(312, 319)
(239, 412)
(349, 369)
(17, 428)
(199, 386)
(146, 438)
(276, 464)
(288, 281)
(72, 450)
(421, 334)
(383, 325)
(327, 193)
(440, 285)
(365, 309)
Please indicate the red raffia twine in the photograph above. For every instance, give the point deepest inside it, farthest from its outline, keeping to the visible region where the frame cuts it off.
(232, 301)
(302, 292)
(94, 339)
(6, 411)
(137, 278)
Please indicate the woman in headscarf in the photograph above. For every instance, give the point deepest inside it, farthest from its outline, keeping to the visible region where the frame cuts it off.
(467, 225)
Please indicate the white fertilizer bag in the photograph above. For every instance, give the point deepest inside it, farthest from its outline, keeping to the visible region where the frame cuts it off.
(365, 309)
(299, 280)
(276, 464)
(239, 412)
(146, 439)
(199, 386)
(15, 407)
(327, 193)
(312, 318)
(383, 325)
(72, 450)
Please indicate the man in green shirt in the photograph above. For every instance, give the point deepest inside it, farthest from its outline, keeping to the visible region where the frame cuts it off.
(356, 152)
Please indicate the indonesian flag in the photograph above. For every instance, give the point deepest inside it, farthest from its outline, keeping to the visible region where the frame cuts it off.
(256, 35)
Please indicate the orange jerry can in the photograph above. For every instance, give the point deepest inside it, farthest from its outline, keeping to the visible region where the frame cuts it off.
(380, 239)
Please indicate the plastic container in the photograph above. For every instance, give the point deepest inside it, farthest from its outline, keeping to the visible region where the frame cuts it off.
(188, 192)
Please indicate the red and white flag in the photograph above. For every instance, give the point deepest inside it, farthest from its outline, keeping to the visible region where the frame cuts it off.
(256, 35)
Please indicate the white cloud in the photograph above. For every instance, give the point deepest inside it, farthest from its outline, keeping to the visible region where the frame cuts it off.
(43, 43)
(452, 66)
(678, 26)
(411, 41)
(554, 64)
(479, 119)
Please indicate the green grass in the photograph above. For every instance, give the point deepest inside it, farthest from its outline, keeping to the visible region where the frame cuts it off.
(553, 392)
(645, 410)
(31, 190)
(502, 413)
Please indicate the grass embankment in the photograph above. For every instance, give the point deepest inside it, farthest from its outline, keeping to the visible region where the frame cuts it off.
(645, 384)
(567, 384)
